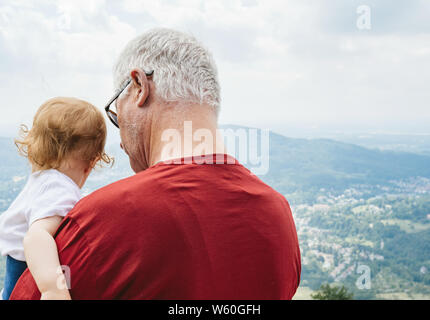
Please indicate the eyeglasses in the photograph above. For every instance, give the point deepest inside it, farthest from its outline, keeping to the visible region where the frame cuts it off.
(113, 117)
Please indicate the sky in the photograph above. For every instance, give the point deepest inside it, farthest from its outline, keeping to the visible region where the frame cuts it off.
(289, 66)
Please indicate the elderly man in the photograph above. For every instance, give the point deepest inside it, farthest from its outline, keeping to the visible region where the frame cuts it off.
(193, 223)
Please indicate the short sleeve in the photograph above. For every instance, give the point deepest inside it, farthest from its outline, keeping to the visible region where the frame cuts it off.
(76, 256)
(54, 198)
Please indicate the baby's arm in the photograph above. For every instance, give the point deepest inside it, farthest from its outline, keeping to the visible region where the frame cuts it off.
(42, 258)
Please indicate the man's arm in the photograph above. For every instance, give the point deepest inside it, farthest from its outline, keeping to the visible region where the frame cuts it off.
(42, 258)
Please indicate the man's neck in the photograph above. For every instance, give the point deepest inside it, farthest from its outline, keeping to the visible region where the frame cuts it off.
(189, 130)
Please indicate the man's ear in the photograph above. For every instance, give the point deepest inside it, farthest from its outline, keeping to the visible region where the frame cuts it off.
(140, 80)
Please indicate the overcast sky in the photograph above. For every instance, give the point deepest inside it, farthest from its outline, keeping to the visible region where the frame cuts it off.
(282, 64)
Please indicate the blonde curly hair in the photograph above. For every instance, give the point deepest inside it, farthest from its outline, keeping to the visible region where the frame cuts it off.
(64, 128)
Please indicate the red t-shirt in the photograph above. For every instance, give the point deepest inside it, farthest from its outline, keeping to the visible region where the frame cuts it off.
(179, 231)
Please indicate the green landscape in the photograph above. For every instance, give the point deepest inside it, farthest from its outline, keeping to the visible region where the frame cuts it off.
(353, 207)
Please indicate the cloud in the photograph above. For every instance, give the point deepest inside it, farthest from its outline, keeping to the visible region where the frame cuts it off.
(58, 48)
(78, 34)
(281, 62)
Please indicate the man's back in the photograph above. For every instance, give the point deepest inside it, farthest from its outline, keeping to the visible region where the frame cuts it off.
(179, 231)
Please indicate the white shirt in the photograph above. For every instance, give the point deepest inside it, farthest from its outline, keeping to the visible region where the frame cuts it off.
(47, 193)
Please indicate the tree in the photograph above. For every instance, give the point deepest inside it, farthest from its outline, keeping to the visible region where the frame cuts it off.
(327, 292)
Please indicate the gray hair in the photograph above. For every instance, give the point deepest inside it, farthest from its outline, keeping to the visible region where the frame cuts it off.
(183, 68)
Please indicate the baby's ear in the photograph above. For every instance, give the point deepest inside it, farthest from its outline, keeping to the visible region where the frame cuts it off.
(91, 165)
(94, 162)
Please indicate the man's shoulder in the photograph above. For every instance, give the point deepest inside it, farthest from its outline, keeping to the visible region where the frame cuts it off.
(112, 194)
(267, 191)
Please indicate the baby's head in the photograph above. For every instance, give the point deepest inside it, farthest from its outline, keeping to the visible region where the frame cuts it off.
(64, 129)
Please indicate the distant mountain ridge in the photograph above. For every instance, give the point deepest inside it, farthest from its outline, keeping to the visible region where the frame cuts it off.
(300, 164)
(322, 163)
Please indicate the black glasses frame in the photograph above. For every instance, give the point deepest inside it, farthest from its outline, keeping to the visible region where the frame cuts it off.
(113, 117)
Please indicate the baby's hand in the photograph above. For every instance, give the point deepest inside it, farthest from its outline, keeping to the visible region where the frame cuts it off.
(56, 295)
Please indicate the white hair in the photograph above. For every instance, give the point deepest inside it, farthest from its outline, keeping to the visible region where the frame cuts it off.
(183, 68)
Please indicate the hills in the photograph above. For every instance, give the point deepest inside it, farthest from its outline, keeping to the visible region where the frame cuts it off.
(323, 163)
(305, 165)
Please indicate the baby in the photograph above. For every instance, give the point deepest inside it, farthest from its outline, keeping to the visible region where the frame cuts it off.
(63, 146)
